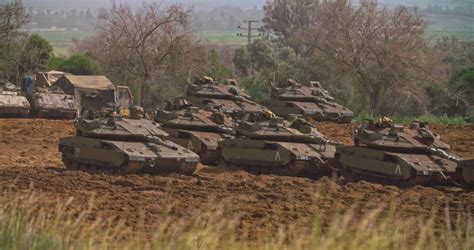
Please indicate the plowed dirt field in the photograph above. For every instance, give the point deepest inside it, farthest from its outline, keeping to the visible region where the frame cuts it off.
(29, 161)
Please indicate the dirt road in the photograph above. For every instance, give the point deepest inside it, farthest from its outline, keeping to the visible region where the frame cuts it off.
(28, 160)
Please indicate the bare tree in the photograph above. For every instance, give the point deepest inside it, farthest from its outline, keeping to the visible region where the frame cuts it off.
(13, 16)
(142, 45)
(290, 20)
(383, 49)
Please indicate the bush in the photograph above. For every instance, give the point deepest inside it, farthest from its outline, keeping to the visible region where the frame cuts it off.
(78, 64)
(444, 120)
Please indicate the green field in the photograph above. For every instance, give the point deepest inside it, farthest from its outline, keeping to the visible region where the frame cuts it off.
(230, 38)
(62, 41)
(462, 29)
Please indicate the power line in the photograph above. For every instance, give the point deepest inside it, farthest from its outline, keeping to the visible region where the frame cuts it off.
(447, 31)
(249, 30)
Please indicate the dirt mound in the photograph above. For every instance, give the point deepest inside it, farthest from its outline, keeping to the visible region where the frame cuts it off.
(29, 160)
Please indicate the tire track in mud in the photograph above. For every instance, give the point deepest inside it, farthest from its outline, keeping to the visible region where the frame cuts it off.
(29, 159)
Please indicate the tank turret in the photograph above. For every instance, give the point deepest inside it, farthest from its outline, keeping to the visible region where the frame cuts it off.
(197, 129)
(232, 100)
(311, 101)
(126, 145)
(398, 155)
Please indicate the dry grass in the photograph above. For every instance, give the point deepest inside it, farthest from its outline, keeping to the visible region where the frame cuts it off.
(24, 224)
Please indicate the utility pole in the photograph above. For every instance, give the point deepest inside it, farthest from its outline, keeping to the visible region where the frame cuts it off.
(249, 28)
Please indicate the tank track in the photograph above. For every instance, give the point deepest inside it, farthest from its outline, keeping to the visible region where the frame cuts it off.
(355, 176)
(286, 170)
(352, 176)
(467, 185)
(71, 164)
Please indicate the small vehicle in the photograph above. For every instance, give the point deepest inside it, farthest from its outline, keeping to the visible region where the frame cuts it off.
(12, 102)
(197, 129)
(52, 104)
(398, 155)
(234, 101)
(312, 102)
(125, 145)
(267, 145)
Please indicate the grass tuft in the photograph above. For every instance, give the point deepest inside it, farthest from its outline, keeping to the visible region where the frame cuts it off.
(24, 224)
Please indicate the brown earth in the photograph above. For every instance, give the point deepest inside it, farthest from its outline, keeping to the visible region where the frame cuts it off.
(29, 161)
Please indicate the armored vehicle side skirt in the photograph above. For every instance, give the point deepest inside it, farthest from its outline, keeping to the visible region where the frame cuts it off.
(363, 163)
(466, 169)
(280, 158)
(124, 157)
(14, 112)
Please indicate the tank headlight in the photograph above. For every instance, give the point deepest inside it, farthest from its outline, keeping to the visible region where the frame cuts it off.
(425, 172)
(302, 158)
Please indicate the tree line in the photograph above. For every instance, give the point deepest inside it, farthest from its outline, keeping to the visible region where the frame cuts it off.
(371, 58)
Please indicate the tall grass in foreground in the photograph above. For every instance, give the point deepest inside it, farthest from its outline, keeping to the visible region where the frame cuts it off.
(26, 225)
(444, 120)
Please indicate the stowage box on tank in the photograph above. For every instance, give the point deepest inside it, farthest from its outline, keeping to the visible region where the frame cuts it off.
(125, 145)
(398, 155)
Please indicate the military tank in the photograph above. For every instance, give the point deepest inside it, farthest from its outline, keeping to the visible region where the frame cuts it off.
(52, 104)
(125, 145)
(234, 101)
(12, 102)
(312, 102)
(267, 145)
(466, 173)
(196, 129)
(397, 155)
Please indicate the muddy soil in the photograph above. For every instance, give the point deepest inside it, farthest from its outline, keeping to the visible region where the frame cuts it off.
(29, 161)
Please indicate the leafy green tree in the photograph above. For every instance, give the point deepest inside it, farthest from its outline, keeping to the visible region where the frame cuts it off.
(13, 15)
(216, 69)
(55, 63)
(241, 60)
(79, 64)
(262, 55)
(35, 54)
(454, 97)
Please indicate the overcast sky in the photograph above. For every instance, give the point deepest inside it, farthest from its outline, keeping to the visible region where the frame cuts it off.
(198, 4)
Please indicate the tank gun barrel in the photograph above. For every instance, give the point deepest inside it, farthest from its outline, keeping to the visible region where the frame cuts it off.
(322, 140)
(443, 154)
(226, 130)
(159, 141)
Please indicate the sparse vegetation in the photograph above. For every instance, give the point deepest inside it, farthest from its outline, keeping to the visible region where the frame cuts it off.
(25, 224)
(444, 120)
(78, 64)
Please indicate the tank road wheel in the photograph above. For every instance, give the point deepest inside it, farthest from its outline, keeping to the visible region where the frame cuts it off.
(188, 168)
(125, 169)
(282, 170)
(70, 163)
(467, 185)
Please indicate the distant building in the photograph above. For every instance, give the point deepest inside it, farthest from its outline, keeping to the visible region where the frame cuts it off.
(90, 92)
(47, 79)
